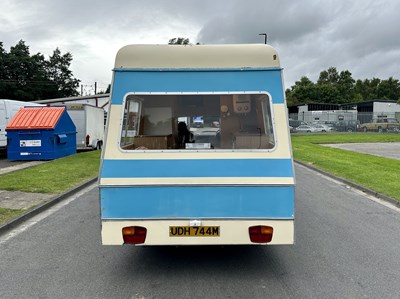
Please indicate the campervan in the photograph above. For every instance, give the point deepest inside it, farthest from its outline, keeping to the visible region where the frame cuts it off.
(230, 180)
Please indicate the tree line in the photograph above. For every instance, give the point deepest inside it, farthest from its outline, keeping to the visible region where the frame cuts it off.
(27, 77)
(340, 88)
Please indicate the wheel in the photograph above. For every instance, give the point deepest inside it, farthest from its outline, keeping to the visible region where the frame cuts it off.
(349, 130)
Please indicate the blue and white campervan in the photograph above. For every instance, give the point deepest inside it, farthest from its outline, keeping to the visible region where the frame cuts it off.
(197, 148)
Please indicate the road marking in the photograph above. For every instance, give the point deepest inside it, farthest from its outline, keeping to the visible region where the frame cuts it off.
(31, 222)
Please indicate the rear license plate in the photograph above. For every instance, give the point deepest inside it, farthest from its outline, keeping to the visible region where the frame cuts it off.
(194, 231)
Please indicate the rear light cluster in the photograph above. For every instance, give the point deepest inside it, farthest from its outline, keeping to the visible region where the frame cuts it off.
(137, 234)
(134, 234)
(260, 233)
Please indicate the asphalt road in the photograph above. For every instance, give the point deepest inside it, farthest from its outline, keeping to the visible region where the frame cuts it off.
(347, 247)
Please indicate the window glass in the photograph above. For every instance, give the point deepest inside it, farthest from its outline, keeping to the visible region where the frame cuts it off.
(130, 126)
(197, 122)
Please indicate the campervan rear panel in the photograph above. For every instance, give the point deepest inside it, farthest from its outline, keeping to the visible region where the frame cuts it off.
(231, 189)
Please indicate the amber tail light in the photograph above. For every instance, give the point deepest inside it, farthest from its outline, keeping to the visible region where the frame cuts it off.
(261, 233)
(134, 234)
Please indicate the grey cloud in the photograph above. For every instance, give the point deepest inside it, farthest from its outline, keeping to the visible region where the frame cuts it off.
(310, 35)
(283, 21)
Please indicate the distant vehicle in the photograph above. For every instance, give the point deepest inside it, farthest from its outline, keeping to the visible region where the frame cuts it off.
(295, 123)
(89, 122)
(347, 126)
(8, 108)
(305, 129)
(382, 125)
(322, 128)
(329, 124)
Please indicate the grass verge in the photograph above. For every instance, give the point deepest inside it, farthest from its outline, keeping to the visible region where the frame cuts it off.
(55, 176)
(8, 214)
(376, 173)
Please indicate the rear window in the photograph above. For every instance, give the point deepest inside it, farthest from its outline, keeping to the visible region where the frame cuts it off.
(197, 122)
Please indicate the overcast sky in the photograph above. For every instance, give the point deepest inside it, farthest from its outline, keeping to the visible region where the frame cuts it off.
(362, 36)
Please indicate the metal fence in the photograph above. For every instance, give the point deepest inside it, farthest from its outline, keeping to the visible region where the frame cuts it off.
(335, 116)
(344, 121)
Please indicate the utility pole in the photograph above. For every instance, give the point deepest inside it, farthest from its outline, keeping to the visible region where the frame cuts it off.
(95, 88)
(265, 37)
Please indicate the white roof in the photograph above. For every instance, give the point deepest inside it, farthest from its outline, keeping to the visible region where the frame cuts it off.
(197, 56)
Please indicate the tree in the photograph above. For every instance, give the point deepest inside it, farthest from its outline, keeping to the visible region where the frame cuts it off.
(359, 92)
(370, 88)
(19, 72)
(3, 56)
(179, 41)
(389, 89)
(341, 88)
(302, 92)
(328, 93)
(329, 76)
(29, 77)
(58, 72)
(345, 87)
(4, 84)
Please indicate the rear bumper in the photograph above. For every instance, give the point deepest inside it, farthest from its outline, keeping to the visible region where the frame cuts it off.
(232, 232)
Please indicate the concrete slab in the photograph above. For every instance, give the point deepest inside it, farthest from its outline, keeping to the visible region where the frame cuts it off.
(22, 200)
(10, 166)
(388, 150)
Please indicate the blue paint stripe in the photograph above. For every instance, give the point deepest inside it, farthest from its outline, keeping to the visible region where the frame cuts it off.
(197, 168)
(200, 81)
(197, 202)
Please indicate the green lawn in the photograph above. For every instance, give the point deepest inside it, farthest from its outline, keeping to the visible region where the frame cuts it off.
(376, 173)
(8, 214)
(55, 176)
(52, 177)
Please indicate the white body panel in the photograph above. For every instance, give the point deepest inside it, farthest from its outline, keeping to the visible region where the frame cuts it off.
(233, 232)
(8, 108)
(88, 120)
